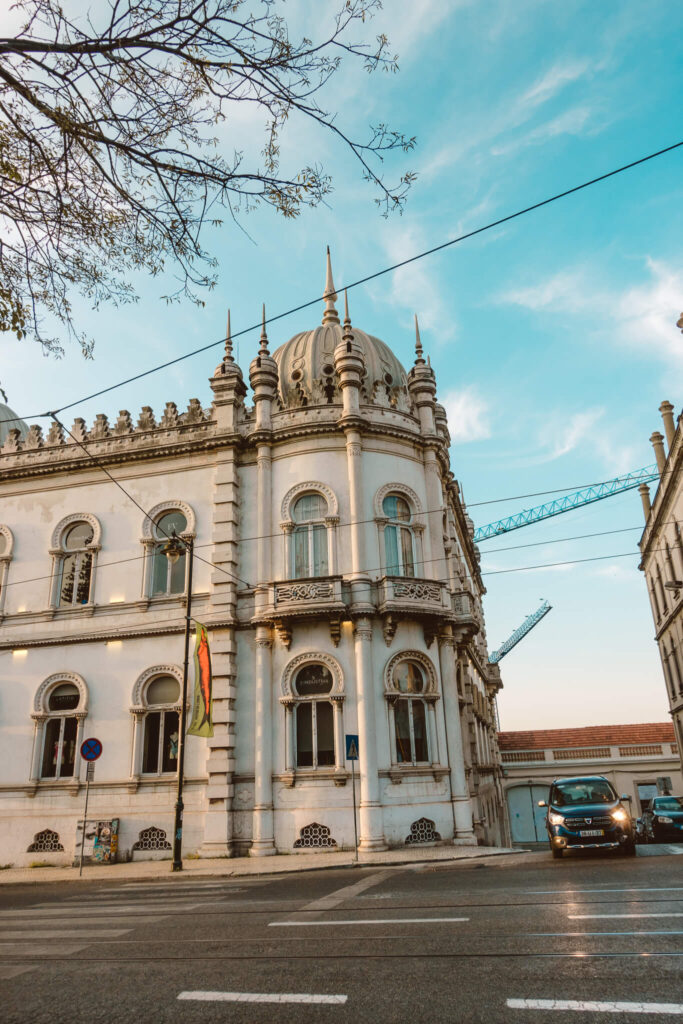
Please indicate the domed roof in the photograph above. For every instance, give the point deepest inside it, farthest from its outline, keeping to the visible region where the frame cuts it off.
(10, 421)
(306, 363)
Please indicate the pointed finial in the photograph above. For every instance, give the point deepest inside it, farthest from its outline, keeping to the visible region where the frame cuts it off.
(347, 333)
(228, 342)
(263, 348)
(330, 316)
(418, 344)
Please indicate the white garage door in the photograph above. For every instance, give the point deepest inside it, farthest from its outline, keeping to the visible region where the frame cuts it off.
(527, 819)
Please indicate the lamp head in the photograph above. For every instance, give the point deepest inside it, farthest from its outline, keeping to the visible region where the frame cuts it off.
(173, 548)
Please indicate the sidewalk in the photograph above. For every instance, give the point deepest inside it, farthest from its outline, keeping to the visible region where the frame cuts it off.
(249, 866)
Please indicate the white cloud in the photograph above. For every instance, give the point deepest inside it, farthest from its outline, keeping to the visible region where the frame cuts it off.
(578, 428)
(554, 80)
(571, 122)
(413, 287)
(469, 416)
(641, 317)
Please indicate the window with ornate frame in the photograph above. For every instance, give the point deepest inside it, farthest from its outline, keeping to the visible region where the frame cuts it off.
(411, 693)
(75, 544)
(398, 515)
(6, 551)
(59, 710)
(312, 698)
(156, 720)
(310, 514)
(161, 577)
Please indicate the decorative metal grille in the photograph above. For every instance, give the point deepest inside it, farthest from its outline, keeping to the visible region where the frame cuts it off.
(422, 831)
(152, 838)
(304, 591)
(418, 591)
(46, 841)
(314, 835)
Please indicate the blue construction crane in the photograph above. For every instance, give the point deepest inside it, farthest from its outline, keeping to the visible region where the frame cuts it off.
(570, 501)
(519, 634)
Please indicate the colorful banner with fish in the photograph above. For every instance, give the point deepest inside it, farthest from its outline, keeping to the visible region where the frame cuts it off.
(202, 707)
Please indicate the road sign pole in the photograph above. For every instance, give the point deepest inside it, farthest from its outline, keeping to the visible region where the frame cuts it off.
(355, 826)
(89, 773)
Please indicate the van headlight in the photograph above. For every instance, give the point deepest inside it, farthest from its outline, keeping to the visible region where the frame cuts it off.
(555, 819)
(619, 814)
(665, 821)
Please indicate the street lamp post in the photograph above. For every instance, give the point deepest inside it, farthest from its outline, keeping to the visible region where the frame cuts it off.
(173, 549)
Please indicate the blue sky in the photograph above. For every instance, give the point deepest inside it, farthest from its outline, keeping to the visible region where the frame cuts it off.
(553, 338)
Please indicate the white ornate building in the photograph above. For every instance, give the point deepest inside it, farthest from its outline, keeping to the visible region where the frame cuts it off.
(336, 572)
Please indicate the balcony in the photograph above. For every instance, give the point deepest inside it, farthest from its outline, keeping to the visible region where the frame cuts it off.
(412, 596)
(314, 597)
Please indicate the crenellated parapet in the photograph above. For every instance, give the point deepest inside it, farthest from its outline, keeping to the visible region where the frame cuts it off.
(123, 438)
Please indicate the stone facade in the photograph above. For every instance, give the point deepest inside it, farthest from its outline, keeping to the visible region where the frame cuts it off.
(661, 547)
(336, 572)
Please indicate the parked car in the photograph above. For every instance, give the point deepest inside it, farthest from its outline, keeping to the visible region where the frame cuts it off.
(663, 820)
(585, 812)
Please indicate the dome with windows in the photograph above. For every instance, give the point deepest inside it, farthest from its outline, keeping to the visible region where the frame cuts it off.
(306, 363)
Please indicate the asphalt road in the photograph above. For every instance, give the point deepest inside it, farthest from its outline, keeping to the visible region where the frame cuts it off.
(465, 942)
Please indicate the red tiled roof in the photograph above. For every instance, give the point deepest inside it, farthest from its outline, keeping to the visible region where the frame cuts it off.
(588, 736)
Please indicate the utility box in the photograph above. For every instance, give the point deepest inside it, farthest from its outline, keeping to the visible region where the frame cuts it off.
(101, 841)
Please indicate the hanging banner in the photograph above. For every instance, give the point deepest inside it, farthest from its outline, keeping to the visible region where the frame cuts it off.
(202, 710)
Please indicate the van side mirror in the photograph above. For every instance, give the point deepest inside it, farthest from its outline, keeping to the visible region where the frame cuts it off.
(542, 803)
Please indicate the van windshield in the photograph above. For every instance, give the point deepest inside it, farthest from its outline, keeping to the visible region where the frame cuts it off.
(590, 791)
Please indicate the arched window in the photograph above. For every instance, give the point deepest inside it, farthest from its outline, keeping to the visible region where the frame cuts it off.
(399, 541)
(60, 733)
(167, 577)
(314, 717)
(410, 689)
(310, 547)
(161, 726)
(410, 714)
(74, 565)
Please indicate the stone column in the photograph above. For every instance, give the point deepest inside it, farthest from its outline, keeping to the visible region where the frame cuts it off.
(370, 810)
(667, 412)
(431, 700)
(657, 441)
(339, 745)
(437, 568)
(462, 806)
(644, 492)
(288, 705)
(263, 844)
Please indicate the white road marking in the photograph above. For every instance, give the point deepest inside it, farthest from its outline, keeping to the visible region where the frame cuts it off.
(317, 908)
(585, 917)
(112, 908)
(60, 919)
(47, 949)
(379, 920)
(571, 892)
(22, 934)
(8, 971)
(588, 1006)
(610, 935)
(262, 997)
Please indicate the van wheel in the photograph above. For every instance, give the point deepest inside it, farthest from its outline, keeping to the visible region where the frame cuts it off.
(557, 854)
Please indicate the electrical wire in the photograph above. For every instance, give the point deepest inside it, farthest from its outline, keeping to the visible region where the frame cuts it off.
(368, 277)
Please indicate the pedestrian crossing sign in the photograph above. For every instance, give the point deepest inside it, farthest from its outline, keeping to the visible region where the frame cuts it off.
(351, 747)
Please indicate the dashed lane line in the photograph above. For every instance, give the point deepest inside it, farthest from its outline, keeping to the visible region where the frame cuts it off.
(263, 997)
(590, 1006)
(378, 920)
(587, 917)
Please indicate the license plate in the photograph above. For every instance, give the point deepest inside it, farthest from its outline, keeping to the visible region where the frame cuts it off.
(592, 832)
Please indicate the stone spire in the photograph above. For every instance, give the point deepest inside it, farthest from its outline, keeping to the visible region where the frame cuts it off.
(263, 347)
(330, 316)
(419, 358)
(228, 343)
(346, 333)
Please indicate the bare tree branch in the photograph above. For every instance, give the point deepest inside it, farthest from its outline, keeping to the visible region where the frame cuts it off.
(109, 161)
